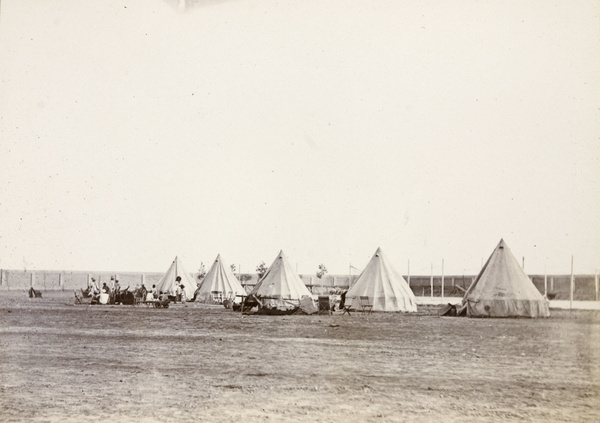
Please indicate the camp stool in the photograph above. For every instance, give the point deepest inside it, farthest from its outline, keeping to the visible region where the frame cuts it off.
(347, 305)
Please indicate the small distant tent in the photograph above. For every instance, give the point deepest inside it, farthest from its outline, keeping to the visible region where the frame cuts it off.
(169, 281)
(387, 290)
(502, 289)
(219, 283)
(280, 282)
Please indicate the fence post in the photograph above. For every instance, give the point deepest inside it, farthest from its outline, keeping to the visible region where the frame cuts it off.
(431, 280)
(442, 278)
(572, 285)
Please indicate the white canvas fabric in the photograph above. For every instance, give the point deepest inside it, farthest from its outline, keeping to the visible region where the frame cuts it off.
(167, 282)
(387, 290)
(280, 281)
(502, 289)
(220, 279)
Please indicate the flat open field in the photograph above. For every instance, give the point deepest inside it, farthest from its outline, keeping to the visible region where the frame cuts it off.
(65, 363)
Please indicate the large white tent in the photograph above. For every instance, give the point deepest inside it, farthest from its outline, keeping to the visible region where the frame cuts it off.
(281, 282)
(387, 290)
(219, 283)
(502, 289)
(169, 281)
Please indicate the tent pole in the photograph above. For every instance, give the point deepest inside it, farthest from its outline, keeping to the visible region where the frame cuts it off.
(572, 283)
(409, 273)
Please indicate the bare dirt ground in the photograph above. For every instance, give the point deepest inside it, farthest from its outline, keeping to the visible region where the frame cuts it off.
(66, 363)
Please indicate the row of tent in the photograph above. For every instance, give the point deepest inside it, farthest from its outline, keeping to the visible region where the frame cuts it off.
(501, 289)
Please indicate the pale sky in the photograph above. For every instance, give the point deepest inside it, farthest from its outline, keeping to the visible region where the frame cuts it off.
(132, 131)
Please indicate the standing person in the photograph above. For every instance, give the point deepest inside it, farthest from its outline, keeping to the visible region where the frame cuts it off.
(182, 295)
(154, 292)
(117, 291)
(176, 291)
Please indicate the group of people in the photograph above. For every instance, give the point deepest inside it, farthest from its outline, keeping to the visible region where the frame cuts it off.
(112, 295)
(103, 295)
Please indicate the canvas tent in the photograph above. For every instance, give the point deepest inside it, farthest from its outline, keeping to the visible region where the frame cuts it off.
(387, 290)
(219, 283)
(168, 281)
(502, 289)
(280, 282)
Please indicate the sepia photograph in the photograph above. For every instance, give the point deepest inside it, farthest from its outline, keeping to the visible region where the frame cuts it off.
(299, 211)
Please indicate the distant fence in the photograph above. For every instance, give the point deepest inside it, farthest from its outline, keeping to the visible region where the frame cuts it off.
(558, 286)
(57, 280)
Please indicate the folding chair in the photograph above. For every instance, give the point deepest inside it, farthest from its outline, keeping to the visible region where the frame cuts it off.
(347, 305)
(138, 298)
(324, 304)
(365, 304)
(216, 297)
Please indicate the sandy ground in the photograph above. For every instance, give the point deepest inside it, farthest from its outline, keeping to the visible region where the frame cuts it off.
(66, 363)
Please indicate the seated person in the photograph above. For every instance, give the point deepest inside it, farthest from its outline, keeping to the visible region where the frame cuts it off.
(163, 298)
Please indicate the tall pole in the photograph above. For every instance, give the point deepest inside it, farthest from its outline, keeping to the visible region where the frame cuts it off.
(409, 273)
(546, 281)
(572, 284)
(442, 278)
(349, 275)
(431, 281)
